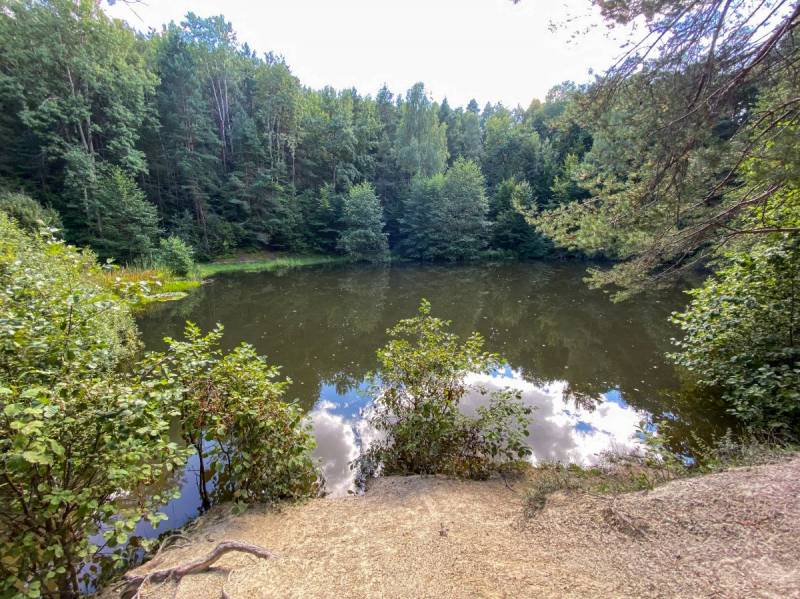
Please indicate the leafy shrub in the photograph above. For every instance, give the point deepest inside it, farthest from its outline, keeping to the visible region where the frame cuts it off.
(742, 335)
(83, 441)
(75, 433)
(417, 405)
(29, 214)
(252, 445)
(176, 255)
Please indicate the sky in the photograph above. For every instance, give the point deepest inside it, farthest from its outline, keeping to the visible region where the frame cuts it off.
(490, 50)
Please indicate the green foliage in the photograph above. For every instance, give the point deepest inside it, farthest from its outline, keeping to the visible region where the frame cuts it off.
(741, 334)
(445, 215)
(126, 226)
(252, 445)
(418, 225)
(28, 213)
(421, 143)
(417, 405)
(463, 132)
(75, 94)
(510, 230)
(268, 264)
(667, 183)
(362, 235)
(175, 255)
(84, 444)
(461, 219)
(514, 149)
(105, 125)
(81, 444)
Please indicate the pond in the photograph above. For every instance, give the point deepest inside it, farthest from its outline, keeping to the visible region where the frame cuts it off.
(593, 370)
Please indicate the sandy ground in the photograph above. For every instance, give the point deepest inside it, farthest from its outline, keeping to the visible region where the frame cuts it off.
(733, 534)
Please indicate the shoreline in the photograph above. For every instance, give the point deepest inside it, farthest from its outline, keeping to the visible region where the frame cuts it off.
(732, 532)
(243, 263)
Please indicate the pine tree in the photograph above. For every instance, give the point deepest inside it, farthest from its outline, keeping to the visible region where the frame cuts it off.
(128, 225)
(363, 236)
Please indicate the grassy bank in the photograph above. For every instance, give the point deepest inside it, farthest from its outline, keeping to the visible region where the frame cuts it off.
(163, 285)
(265, 263)
(160, 284)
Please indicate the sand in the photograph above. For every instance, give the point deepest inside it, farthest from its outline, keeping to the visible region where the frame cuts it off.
(732, 534)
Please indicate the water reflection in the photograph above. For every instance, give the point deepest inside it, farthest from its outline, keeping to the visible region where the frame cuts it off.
(565, 430)
(562, 430)
(591, 368)
(336, 447)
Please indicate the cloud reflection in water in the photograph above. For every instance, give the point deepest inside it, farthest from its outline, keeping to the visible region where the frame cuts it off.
(562, 430)
(336, 447)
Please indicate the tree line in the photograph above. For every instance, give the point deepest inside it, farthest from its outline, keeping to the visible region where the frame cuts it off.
(684, 155)
(186, 131)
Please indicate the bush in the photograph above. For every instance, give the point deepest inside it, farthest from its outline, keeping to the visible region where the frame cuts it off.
(252, 445)
(417, 405)
(176, 255)
(742, 335)
(29, 214)
(75, 433)
(84, 442)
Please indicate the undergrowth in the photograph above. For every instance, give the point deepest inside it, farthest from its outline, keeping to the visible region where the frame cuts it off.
(152, 284)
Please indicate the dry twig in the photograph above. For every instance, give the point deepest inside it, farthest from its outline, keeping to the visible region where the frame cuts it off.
(198, 565)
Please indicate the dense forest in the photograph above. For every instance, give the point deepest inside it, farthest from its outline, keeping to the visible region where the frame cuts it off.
(186, 131)
(683, 157)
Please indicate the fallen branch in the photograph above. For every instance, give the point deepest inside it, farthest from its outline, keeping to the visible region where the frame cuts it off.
(199, 565)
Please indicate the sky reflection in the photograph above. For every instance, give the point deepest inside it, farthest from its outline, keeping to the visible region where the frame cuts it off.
(563, 429)
(336, 447)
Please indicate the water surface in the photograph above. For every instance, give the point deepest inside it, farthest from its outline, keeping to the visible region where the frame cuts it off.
(593, 370)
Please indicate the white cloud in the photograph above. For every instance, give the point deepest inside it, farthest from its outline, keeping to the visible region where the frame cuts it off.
(336, 448)
(562, 431)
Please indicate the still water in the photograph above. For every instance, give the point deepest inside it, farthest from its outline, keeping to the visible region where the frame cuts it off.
(593, 370)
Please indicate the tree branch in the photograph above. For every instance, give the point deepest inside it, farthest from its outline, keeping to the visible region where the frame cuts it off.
(198, 565)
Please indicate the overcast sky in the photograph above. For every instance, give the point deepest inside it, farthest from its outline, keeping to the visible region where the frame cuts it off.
(491, 50)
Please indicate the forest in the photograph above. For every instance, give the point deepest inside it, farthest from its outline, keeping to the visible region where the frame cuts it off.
(678, 168)
(185, 131)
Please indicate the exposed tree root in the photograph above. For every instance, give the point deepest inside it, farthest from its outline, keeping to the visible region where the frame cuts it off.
(136, 583)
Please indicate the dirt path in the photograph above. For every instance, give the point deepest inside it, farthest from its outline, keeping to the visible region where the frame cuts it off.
(734, 534)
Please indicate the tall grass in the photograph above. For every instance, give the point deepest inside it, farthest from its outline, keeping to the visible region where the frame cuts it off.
(159, 280)
(268, 264)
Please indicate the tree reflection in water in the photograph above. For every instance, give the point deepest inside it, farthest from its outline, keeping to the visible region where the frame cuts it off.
(592, 369)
